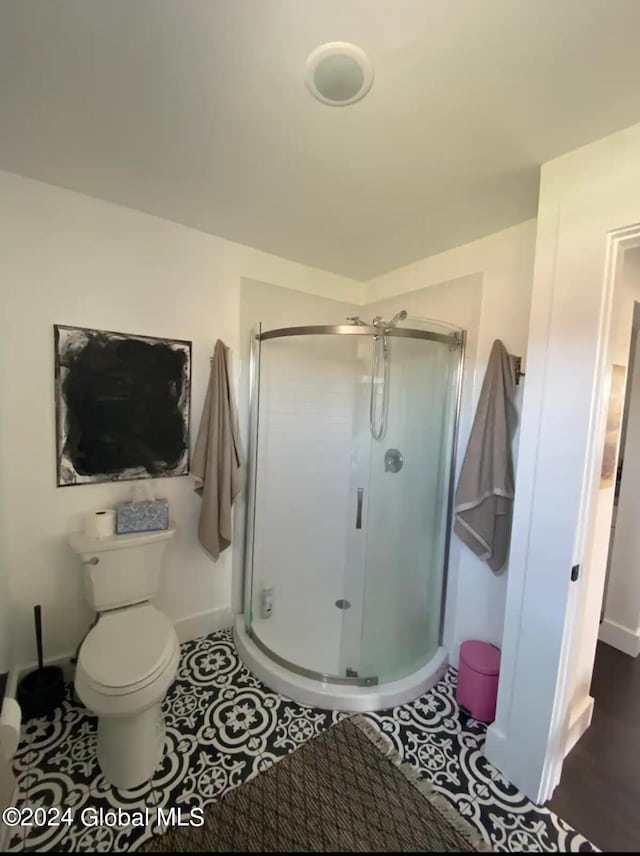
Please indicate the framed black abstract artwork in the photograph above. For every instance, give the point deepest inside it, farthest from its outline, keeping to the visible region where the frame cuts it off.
(122, 406)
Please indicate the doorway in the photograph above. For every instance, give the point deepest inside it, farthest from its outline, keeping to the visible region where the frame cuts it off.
(600, 785)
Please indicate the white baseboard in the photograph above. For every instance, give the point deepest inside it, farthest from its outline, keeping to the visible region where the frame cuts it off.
(497, 752)
(579, 721)
(622, 638)
(203, 623)
(495, 746)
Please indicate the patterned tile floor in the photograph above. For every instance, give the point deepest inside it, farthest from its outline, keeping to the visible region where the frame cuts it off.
(224, 726)
(445, 744)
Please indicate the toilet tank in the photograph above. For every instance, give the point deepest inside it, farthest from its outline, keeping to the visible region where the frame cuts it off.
(121, 570)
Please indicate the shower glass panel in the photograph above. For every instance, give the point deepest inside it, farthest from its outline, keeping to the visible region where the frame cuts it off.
(407, 509)
(303, 502)
(349, 532)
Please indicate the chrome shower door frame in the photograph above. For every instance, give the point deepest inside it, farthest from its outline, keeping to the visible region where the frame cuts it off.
(462, 344)
(252, 470)
(455, 340)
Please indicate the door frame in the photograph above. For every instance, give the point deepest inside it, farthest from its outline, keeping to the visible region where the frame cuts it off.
(589, 212)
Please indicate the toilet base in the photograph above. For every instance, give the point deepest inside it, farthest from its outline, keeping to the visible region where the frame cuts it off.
(130, 748)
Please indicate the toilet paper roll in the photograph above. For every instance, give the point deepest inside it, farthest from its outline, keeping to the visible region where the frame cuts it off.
(100, 524)
(10, 719)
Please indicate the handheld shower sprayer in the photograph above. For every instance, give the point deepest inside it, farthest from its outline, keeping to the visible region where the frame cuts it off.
(399, 316)
(379, 403)
(380, 370)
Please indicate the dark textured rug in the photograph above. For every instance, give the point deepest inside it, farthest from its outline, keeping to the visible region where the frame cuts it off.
(338, 792)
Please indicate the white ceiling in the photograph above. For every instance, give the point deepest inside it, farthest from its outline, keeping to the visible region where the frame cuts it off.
(196, 111)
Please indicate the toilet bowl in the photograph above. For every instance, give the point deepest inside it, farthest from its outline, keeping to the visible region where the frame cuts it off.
(129, 659)
(125, 667)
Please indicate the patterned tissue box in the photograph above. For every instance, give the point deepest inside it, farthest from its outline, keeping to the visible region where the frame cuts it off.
(148, 515)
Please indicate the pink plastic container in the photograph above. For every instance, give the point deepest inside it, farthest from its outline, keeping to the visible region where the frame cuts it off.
(478, 679)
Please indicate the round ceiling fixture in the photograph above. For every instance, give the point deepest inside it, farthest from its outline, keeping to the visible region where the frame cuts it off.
(338, 73)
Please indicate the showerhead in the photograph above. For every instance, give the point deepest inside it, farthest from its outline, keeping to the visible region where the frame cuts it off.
(399, 316)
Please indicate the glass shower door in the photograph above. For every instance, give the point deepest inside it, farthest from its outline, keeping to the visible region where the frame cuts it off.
(407, 510)
(303, 499)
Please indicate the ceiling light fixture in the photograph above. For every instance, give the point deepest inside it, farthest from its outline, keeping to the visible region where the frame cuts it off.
(338, 73)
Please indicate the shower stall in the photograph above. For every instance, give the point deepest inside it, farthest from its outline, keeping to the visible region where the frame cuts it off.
(350, 476)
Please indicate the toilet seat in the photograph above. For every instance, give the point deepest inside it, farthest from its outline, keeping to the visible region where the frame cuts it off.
(127, 650)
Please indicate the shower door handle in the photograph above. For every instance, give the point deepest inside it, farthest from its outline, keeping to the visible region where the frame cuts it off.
(359, 508)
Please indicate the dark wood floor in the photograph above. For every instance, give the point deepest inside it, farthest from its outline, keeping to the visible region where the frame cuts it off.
(599, 793)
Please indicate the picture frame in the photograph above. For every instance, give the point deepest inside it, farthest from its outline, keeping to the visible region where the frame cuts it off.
(122, 405)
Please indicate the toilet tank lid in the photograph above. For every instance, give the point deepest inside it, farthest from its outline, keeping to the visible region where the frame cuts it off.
(81, 543)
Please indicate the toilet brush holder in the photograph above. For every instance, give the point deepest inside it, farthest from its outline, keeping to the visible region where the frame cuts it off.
(41, 691)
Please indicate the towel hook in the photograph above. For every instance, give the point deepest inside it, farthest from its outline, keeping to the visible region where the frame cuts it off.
(517, 365)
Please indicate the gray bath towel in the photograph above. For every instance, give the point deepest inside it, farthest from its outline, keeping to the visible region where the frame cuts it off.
(216, 457)
(483, 502)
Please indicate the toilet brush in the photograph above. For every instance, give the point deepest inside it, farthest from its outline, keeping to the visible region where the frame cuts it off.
(42, 690)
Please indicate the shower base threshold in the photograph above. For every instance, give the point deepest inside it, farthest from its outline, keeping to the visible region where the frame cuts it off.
(332, 696)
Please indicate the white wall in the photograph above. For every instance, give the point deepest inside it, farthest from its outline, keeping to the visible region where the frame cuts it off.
(491, 300)
(589, 200)
(621, 625)
(71, 259)
(76, 260)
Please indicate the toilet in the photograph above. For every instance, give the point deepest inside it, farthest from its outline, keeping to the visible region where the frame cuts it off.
(129, 659)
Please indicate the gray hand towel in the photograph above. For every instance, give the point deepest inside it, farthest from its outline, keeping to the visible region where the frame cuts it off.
(483, 502)
(216, 458)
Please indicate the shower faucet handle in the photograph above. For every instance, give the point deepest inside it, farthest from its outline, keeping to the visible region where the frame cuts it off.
(393, 461)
